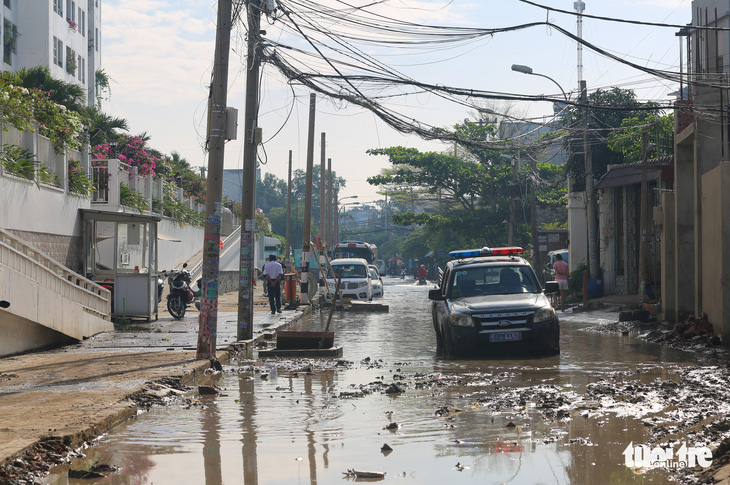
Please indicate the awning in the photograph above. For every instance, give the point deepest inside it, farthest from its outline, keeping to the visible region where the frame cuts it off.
(630, 173)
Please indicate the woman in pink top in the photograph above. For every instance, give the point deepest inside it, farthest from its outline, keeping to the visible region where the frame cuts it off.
(561, 276)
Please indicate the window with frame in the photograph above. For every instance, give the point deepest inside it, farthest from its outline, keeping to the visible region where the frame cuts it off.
(70, 10)
(96, 40)
(10, 40)
(58, 7)
(82, 69)
(7, 3)
(82, 18)
(70, 61)
(57, 52)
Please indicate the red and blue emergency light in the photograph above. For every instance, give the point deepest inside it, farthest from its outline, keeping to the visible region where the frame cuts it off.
(485, 251)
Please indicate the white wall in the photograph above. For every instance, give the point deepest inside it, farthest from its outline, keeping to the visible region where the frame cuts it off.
(25, 207)
(170, 253)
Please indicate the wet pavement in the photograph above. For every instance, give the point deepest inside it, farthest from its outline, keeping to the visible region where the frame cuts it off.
(562, 419)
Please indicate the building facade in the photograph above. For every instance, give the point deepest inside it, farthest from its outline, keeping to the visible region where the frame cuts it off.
(62, 35)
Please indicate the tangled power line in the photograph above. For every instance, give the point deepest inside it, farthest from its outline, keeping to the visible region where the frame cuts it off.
(328, 50)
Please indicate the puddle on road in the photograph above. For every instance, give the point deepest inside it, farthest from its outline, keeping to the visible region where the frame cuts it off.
(287, 423)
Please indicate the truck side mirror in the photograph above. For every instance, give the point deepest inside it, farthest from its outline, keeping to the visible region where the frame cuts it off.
(551, 287)
(435, 295)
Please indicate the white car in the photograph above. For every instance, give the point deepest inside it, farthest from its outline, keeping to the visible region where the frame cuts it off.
(355, 282)
(376, 281)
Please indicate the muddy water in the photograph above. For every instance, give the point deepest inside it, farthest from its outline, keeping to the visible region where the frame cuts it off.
(287, 423)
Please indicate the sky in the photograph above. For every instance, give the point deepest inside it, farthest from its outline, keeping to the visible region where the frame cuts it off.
(159, 57)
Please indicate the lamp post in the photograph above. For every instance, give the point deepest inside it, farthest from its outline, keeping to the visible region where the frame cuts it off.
(337, 218)
(528, 70)
(336, 221)
(533, 167)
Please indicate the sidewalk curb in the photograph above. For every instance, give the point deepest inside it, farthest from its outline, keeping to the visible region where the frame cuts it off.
(245, 348)
(128, 409)
(44, 451)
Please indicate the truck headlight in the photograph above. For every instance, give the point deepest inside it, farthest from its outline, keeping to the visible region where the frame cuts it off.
(462, 320)
(544, 314)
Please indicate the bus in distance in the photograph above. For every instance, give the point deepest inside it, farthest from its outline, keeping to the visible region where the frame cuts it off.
(356, 249)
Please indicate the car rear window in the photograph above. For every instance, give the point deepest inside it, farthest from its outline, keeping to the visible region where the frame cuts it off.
(348, 271)
(494, 280)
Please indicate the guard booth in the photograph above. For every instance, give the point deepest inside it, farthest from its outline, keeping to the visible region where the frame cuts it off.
(120, 253)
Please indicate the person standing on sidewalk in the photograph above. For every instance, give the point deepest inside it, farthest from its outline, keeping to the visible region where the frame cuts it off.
(273, 272)
(561, 276)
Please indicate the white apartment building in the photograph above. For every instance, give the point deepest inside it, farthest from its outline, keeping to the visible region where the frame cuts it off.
(63, 35)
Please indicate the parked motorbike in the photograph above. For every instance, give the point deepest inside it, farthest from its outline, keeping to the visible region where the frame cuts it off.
(160, 286)
(180, 293)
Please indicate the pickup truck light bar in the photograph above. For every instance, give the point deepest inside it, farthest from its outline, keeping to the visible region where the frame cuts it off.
(485, 251)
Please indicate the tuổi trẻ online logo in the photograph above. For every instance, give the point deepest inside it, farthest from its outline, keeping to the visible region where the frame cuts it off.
(642, 456)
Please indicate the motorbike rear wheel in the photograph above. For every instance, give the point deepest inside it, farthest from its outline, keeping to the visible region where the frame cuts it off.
(176, 306)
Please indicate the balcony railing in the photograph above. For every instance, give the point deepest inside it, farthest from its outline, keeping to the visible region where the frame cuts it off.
(106, 175)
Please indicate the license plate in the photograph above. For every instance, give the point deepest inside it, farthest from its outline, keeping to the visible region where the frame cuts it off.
(505, 337)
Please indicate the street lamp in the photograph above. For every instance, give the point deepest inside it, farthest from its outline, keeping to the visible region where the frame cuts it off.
(533, 198)
(340, 211)
(528, 70)
(336, 219)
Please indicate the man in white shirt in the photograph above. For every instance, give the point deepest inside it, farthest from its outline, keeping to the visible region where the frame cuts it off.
(273, 272)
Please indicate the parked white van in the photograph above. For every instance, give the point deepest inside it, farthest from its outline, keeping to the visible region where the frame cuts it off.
(355, 282)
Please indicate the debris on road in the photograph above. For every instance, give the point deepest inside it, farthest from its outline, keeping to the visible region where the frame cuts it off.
(364, 474)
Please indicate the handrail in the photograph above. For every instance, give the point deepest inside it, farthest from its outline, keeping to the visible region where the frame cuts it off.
(85, 292)
(198, 268)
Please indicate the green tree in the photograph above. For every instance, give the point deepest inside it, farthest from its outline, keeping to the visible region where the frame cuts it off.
(70, 95)
(628, 141)
(464, 197)
(103, 128)
(608, 109)
(270, 192)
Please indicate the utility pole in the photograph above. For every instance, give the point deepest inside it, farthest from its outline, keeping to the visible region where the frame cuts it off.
(513, 202)
(248, 186)
(208, 317)
(643, 215)
(590, 199)
(288, 216)
(308, 204)
(336, 226)
(533, 217)
(329, 203)
(322, 187)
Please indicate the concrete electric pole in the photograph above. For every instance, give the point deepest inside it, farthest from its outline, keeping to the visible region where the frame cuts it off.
(208, 317)
(590, 195)
(288, 218)
(329, 203)
(248, 187)
(322, 187)
(308, 204)
(513, 202)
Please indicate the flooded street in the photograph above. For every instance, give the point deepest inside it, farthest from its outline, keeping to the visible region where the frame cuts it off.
(522, 421)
